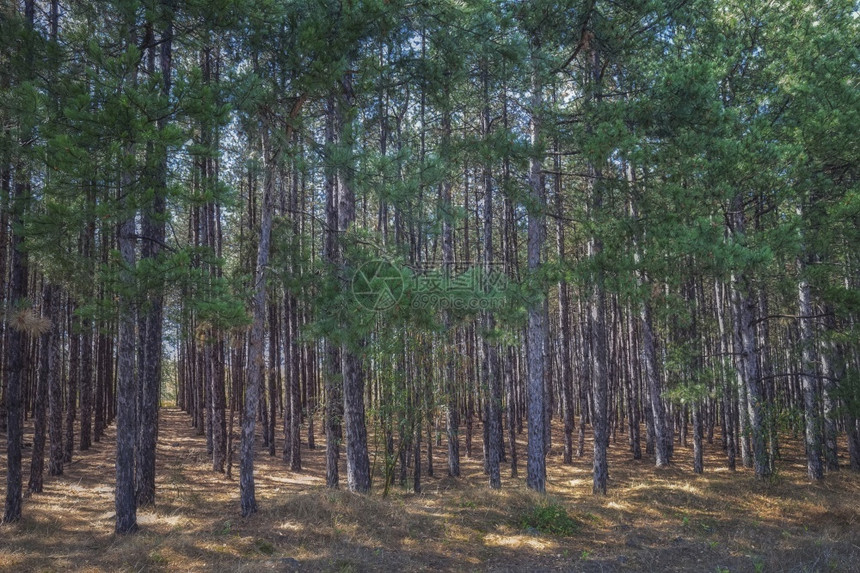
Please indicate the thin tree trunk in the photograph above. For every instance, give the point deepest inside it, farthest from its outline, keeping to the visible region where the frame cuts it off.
(86, 379)
(102, 374)
(254, 380)
(219, 404)
(600, 382)
(510, 392)
(828, 358)
(37, 458)
(727, 397)
(536, 466)
(853, 431)
(648, 357)
(125, 499)
(126, 411)
(452, 414)
(698, 463)
(72, 384)
(493, 403)
(15, 342)
(333, 373)
(744, 307)
(564, 333)
(55, 390)
(357, 459)
(271, 406)
(808, 377)
(153, 227)
(295, 397)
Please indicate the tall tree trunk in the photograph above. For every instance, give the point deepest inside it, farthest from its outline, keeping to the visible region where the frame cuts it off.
(536, 466)
(126, 411)
(597, 315)
(333, 373)
(73, 384)
(86, 379)
(295, 397)
(291, 346)
(648, 358)
(740, 405)
(125, 499)
(357, 459)
(37, 459)
(744, 309)
(852, 428)
(55, 390)
(830, 363)
(5, 193)
(219, 405)
(15, 342)
(254, 380)
(584, 376)
(564, 332)
(153, 227)
(102, 375)
(808, 376)
(274, 370)
(510, 410)
(698, 462)
(493, 403)
(633, 387)
(452, 414)
(727, 394)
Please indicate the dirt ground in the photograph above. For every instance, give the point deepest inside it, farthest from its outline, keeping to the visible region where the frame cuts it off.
(651, 520)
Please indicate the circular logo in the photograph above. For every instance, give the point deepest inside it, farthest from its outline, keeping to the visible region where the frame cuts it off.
(377, 285)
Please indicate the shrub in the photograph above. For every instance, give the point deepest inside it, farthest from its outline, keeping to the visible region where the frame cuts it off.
(550, 518)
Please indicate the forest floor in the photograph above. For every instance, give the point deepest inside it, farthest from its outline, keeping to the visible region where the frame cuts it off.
(651, 520)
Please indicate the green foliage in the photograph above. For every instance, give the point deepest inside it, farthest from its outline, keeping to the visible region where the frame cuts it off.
(550, 518)
(848, 391)
(263, 546)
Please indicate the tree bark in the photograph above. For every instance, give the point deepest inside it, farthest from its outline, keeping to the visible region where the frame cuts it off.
(727, 394)
(831, 372)
(254, 380)
(153, 227)
(564, 333)
(493, 403)
(357, 459)
(599, 375)
(597, 314)
(698, 462)
(125, 499)
(333, 373)
(808, 377)
(86, 384)
(15, 342)
(55, 390)
(452, 414)
(37, 458)
(295, 397)
(536, 465)
(72, 384)
(744, 307)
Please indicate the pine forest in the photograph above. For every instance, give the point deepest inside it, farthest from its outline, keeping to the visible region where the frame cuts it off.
(423, 285)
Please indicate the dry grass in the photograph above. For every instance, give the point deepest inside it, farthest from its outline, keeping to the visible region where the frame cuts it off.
(652, 520)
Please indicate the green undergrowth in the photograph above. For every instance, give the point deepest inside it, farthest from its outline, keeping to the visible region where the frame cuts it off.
(550, 518)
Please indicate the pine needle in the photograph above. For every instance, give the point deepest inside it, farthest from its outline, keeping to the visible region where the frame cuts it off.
(28, 322)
